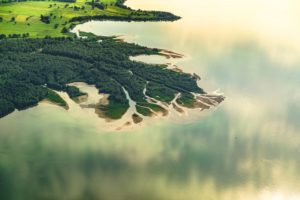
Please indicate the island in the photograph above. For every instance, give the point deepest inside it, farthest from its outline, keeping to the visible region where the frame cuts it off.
(48, 58)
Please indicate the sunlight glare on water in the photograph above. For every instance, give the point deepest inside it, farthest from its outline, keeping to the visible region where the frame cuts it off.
(247, 148)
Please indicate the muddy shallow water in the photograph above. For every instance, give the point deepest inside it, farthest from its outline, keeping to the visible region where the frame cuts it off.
(247, 148)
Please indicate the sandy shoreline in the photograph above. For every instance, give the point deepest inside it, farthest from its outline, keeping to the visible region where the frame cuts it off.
(46, 101)
(169, 54)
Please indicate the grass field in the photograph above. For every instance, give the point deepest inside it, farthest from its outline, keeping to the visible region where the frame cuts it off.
(25, 17)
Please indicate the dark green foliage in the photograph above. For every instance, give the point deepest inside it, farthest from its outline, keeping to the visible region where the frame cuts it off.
(74, 91)
(120, 3)
(76, 8)
(64, 30)
(98, 5)
(6, 107)
(134, 15)
(55, 98)
(115, 110)
(2, 36)
(154, 107)
(136, 118)
(29, 66)
(158, 16)
(144, 111)
(45, 19)
(21, 95)
(186, 99)
(160, 92)
(24, 35)
(69, 1)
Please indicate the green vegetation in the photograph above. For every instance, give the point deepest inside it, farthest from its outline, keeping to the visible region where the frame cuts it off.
(37, 19)
(52, 58)
(115, 109)
(144, 111)
(74, 92)
(6, 107)
(29, 67)
(154, 107)
(136, 118)
(161, 93)
(55, 98)
(186, 100)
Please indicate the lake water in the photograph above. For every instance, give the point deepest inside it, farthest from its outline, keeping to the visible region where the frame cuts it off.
(246, 148)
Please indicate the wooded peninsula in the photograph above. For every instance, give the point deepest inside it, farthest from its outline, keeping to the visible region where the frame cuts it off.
(48, 57)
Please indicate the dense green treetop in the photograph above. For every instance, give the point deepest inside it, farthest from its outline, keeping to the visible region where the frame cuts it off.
(29, 66)
(38, 53)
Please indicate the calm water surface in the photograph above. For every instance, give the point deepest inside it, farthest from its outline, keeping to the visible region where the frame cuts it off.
(247, 148)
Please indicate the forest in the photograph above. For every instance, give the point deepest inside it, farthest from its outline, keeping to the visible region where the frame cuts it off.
(30, 67)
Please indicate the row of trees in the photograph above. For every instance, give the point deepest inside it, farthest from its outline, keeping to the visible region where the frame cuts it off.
(98, 5)
(14, 35)
(134, 16)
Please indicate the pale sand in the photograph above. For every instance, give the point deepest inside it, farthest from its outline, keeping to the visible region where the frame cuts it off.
(104, 100)
(81, 99)
(177, 108)
(137, 119)
(127, 124)
(169, 54)
(102, 115)
(176, 69)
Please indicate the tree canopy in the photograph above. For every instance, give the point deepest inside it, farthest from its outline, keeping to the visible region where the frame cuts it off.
(29, 67)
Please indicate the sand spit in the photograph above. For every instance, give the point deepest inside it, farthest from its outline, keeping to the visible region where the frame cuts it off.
(46, 101)
(170, 54)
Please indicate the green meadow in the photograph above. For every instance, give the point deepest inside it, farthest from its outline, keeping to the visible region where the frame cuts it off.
(25, 17)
